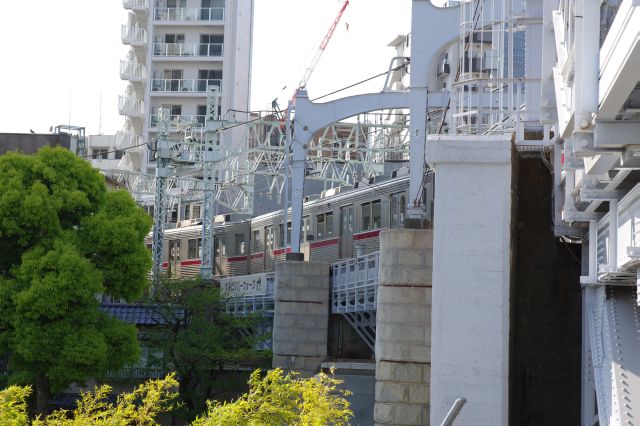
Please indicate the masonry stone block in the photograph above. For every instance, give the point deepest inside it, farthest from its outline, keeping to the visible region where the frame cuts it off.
(403, 328)
(384, 413)
(301, 315)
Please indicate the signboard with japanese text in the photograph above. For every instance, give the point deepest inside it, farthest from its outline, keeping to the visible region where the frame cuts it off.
(245, 285)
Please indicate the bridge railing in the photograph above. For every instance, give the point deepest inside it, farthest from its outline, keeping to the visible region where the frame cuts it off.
(354, 284)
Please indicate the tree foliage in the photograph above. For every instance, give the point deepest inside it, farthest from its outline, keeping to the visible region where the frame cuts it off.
(64, 241)
(279, 399)
(274, 399)
(200, 338)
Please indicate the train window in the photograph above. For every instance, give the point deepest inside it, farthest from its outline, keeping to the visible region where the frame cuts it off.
(320, 226)
(306, 229)
(257, 244)
(376, 213)
(371, 215)
(239, 248)
(193, 251)
(281, 234)
(397, 206)
(324, 225)
(269, 238)
(366, 216)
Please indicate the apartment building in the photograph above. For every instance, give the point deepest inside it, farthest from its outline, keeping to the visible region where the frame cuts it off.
(177, 49)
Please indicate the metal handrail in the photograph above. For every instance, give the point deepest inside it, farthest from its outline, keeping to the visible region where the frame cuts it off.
(454, 411)
(188, 49)
(182, 85)
(188, 14)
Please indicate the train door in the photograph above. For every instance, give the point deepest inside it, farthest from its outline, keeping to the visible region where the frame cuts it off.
(174, 258)
(269, 246)
(346, 231)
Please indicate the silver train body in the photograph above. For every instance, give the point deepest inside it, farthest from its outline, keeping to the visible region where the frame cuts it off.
(336, 225)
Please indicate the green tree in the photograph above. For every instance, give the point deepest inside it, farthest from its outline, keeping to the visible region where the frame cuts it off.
(279, 399)
(199, 338)
(65, 240)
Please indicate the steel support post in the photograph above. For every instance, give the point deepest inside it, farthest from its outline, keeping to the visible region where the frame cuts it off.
(163, 157)
(212, 154)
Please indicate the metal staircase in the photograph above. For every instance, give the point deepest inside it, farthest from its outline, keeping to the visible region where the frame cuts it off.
(354, 288)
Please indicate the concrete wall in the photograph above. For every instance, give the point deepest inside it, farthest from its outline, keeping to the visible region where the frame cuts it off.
(471, 277)
(403, 328)
(301, 316)
(30, 143)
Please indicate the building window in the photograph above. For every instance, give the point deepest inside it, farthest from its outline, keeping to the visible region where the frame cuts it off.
(209, 78)
(397, 206)
(119, 154)
(371, 215)
(239, 247)
(195, 211)
(100, 153)
(211, 44)
(194, 248)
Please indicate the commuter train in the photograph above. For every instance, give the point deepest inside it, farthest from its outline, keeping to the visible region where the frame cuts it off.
(338, 224)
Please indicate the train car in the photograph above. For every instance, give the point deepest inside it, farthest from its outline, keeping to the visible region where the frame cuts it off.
(337, 224)
(182, 245)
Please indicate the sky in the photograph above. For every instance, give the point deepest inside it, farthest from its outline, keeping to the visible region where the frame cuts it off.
(60, 59)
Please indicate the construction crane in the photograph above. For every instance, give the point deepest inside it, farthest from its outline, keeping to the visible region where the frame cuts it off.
(319, 52)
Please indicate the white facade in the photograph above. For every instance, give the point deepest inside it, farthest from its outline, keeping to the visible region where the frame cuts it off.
(102, 151)
(177, 49)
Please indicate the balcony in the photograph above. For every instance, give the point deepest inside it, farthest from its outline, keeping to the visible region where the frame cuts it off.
(188, 49)
(133, 36)
(132, 71)
(197, 120)
(125, 139)
(131, 106)
(184, 14)
(188, 86)
(136, 5)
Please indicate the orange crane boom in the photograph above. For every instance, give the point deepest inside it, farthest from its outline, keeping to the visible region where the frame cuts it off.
(319, 52)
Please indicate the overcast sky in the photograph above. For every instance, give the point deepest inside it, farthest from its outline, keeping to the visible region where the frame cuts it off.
(60, 59)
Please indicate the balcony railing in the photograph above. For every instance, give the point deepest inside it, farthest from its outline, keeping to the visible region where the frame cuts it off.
(355, 284)
(136, 5)
(137, 373)
(188, 14)
(176, 85)
(133, 36)
(130, 106)
(126, 139)
(132, 71)
(187, 49)
(198, 120)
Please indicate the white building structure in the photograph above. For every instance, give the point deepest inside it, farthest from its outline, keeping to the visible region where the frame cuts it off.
(177, 49)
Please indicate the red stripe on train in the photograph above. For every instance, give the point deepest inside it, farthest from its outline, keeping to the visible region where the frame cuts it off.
(257, 256)
(281, 251)
(190, 262)
(236, 259)
(324, 243)
(370, 234)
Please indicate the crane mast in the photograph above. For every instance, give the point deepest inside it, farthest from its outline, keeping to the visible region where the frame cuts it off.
(319, 52)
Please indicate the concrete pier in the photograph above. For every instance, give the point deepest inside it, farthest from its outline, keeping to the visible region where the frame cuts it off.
(403, 328)
(301, 316)
(472, 263)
